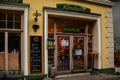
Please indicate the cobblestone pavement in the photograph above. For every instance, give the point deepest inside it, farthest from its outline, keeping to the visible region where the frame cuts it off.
(90, 77)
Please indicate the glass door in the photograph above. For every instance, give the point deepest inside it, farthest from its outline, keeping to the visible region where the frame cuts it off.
(78, 54)
(63, 53)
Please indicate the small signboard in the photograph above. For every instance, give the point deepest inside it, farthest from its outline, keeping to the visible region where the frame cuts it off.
(35, 54)
(72, 30)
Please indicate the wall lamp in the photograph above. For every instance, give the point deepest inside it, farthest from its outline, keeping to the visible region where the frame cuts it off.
(36, 15)
(35, 26)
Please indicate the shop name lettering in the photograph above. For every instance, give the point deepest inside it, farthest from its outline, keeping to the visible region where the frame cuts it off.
(71, 30)
(13, 1)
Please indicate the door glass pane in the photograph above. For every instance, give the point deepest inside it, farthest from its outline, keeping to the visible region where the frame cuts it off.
(14, 45)
(2, 54)
(78, 53)
(63, 56)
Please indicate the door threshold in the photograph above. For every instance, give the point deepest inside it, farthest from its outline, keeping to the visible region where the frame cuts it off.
(72, 74)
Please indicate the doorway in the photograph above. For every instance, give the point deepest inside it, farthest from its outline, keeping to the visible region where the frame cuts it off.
(78, 54)
(89, 24)
(70, 53)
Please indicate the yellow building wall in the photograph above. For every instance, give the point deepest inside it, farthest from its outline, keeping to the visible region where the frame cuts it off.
(39, 4)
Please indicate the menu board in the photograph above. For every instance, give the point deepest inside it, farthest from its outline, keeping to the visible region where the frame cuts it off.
(35, 54)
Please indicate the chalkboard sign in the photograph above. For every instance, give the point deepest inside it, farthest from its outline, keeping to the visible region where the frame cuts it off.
(35, 54)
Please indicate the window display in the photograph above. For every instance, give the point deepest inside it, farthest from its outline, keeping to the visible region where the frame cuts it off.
(10, 42)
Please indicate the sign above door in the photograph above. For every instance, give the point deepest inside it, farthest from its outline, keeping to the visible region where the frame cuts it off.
(72, 30)
(74, 8)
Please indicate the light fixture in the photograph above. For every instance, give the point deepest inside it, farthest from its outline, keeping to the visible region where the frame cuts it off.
(35, 26)
(36, 15)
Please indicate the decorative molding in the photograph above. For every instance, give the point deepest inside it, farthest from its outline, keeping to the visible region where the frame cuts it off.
(108, 14)
(109, 25)
(110, 37)
(109, 34)
(111, 50)
(109, 10)
(101, 2)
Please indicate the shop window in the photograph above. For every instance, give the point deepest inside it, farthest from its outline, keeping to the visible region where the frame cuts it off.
(50, 37)
(10, 42)
(50, 25)
(90, 27)
(14, 43)
(10, 20)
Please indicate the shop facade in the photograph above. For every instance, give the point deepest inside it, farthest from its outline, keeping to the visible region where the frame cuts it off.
(67, 36)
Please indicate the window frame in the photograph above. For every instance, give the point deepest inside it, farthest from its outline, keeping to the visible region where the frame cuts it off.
(6, 32)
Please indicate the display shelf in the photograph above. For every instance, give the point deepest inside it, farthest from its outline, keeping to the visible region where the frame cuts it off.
(50, 57)
(51, 43)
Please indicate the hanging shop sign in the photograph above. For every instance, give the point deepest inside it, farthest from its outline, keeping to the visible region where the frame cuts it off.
(12, 1)
(35, 54)
(50, 42)
(74, 8)
(72, 30)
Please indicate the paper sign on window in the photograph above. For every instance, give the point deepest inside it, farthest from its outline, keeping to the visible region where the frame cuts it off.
(64, 42)
(78, 52)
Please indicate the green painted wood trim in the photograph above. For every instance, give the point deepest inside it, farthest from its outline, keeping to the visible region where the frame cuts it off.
(12, 1)
(106, 70)
(33, 77)
(73, 8)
